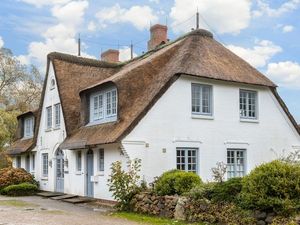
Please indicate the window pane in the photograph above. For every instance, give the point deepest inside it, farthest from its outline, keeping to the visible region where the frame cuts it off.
(49, 116)
(101, 160)
(235, 163)
(248, 101)
(201, 99)
(79, 161)
(186, 159)
(45, 164)
(57, 115)
(108, 103)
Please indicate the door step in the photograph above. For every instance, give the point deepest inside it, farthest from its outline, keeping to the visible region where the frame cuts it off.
(48, 194)
(61, 197)
(77, 200)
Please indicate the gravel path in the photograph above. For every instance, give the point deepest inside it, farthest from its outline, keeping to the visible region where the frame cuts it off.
(40, 211)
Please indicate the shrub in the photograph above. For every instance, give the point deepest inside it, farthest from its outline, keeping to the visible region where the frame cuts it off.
(23, 189)
(176, 182)
(11, 176)
(124, 184)
(273, 186)
(227, 191)
(202, 191)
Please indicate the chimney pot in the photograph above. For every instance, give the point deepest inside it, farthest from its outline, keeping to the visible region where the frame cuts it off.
(111, 55)
(158, 36)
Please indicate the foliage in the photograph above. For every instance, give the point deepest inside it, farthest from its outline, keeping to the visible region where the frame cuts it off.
(13, 176)
(124, 184)
(227, 191)
(23, 189)
(202, 191)
(145, 219)
(217, 213)
(5, 161)
(273, 186)
(8, 126)
(219, 172)
(176, 182)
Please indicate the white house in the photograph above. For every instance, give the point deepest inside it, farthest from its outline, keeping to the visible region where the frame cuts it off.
(186, 104)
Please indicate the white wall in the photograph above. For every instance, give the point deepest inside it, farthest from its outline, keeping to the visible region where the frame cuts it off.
(48, 140)
(170, 124)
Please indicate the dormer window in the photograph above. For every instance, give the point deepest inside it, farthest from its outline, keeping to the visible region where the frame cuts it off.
(103, 106)
(28, 127)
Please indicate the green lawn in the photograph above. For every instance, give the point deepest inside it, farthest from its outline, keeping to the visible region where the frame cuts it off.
(144, 219)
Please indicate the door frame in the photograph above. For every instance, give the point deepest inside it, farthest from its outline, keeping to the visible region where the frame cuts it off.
(89, 151)
(55, 169)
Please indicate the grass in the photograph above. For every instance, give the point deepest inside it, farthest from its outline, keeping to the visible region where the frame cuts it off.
(16, 203)
(145, 219)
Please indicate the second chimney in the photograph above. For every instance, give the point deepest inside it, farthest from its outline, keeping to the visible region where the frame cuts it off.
(158, 35)
(111, 55)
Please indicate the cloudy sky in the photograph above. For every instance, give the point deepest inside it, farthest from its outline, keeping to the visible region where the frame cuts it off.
(264, 32)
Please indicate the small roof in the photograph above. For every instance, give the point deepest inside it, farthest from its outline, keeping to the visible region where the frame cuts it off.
(144, 79)
(21, 145)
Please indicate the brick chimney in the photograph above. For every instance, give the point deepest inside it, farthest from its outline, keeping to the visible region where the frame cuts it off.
(158, 35)
(111, 55)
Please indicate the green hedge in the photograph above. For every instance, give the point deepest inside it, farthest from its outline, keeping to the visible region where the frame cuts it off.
(176, 182)
(23, 189)
(11, 176)
(273, 186)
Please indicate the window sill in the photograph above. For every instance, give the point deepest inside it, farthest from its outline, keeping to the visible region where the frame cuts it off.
(44, 178)
(78, 173)
(26, 138)
(100, 173)
(48, 130)
(249, 120)
(56, 128)
(205, 117)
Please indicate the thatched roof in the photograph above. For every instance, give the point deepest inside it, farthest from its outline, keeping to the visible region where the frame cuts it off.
(142, 81)
(21, 145)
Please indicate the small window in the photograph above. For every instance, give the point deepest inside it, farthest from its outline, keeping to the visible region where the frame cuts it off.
(45, 164)
(28, 127)
(33, 162)
(52, 83)
(235, 163)
(57, 115)
(248, 104)
(78, 161)
(101, 160)
(186, 159)
(49, 117)
(27, 163)
(18, 162)
(201, 99)
(103, 106)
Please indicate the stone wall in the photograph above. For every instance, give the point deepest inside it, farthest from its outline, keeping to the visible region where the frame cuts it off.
(152, 204)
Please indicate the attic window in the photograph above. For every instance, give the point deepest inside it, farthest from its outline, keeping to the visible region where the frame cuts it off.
(28, 127)
(103, 106)
(52, 83)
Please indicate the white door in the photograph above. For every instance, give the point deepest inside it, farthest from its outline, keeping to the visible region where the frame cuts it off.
(60, 171)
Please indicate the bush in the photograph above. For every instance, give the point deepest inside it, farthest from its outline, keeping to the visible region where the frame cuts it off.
(227, 191)
(202, 191)
(124, 184)
(176, 182)
(273, 186)
(23, 189)
(12, 176)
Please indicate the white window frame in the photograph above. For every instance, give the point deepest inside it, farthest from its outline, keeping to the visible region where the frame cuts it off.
(186, 163)
(45, 164)
(78, 161)
(235, 165)
(57, 117)
(28, 127)
(200, 100)
(103, 106)
(49, 117)
(18, 161)
(101, 160)
(247, 105)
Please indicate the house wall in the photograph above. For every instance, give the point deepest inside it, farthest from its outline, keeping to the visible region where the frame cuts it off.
(170, 124)
(48, 140)
(23, 161)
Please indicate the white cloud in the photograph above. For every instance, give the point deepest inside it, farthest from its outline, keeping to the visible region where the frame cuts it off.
(125, 54)
(287, 28)
(229, 16)
(1, 42)
(259, 55)
(92, 26)
(59, 37)
(154, 1)
(138, 16)
(265, 9)
(40, 3)
(286, 73)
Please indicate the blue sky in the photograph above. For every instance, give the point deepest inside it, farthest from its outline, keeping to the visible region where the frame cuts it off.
(263, 32)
